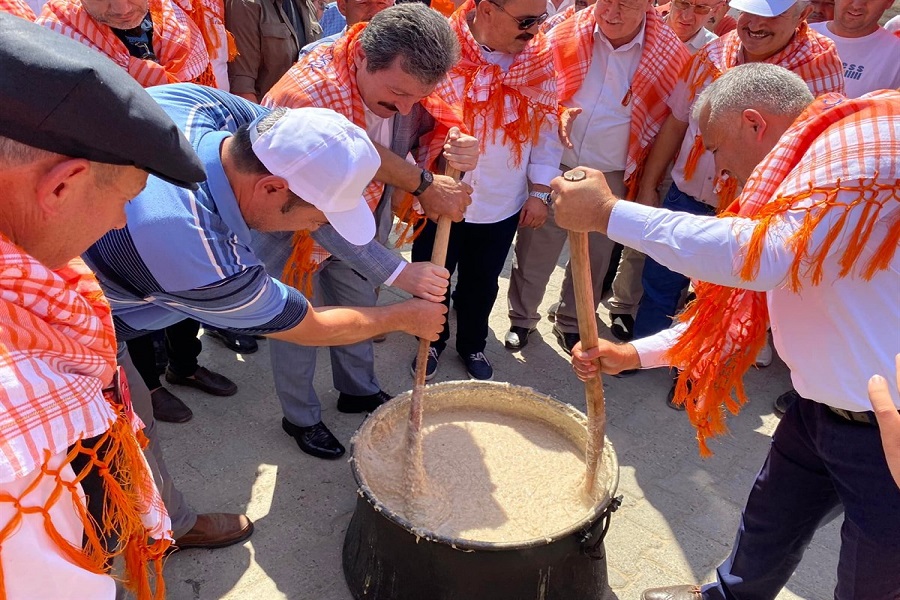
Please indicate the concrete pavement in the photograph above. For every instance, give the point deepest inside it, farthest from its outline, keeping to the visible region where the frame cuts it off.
(677, 522)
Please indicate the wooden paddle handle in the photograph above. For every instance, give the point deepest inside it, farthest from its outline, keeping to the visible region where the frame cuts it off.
(587, 331)
(438, 257)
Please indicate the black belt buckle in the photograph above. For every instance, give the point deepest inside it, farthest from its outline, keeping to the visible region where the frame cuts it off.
(867, 418)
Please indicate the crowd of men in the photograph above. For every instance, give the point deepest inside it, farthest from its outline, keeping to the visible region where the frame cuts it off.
(173, 164)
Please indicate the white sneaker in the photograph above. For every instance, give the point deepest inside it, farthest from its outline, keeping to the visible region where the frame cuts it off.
(764, 358)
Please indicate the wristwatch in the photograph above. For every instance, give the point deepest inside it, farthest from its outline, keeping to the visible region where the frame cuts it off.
(542, 196)
(426, 179)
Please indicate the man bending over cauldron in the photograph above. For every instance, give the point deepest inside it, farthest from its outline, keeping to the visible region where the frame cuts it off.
(810, 245)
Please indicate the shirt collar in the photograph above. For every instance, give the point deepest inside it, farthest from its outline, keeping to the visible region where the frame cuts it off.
(637, 41)
(217, 186)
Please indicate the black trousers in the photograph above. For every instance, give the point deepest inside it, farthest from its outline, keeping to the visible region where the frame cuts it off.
(477, 251)
(182, 347)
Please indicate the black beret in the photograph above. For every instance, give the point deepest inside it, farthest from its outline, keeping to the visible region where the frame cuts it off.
(59, 95)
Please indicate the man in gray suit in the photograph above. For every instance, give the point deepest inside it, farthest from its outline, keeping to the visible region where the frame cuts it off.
(396, 66)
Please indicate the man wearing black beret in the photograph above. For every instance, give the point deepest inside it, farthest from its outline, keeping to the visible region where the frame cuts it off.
(74, 490)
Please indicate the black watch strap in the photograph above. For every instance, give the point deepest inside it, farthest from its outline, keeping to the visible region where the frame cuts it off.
(425, 179)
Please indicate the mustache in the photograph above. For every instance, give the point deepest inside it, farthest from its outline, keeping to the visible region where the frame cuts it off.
(525, 37)
(389, 106)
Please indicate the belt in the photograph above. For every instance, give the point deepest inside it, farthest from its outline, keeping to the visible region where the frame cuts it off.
(867, 418)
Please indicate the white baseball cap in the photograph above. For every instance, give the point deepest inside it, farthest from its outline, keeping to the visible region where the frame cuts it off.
(327, 161)
(762, 8)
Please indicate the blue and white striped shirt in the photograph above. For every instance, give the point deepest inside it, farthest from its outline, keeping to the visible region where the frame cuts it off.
(187, 253)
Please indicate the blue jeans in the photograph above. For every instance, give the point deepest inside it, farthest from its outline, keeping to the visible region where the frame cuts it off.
(662, 286)
(818, 464)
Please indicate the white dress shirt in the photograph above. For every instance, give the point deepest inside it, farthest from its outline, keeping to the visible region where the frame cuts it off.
(381, 131)
(501, 187)
(832, 336)
(600, 133)
(700, 39)
(553, 9)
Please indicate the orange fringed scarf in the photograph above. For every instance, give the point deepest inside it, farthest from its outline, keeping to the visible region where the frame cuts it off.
(178, 43)
(662, 59)
(839, 142)
(57, 352)
(514, 103)
(810, 55)
(209, 17)
(326, 78)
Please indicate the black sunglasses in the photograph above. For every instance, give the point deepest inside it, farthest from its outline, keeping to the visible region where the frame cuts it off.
(524, 22)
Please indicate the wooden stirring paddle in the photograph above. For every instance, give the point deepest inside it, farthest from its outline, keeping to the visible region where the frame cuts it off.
(415, 468)
(587, 331)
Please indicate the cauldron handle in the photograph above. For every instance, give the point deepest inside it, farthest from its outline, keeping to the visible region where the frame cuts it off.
(591, 548)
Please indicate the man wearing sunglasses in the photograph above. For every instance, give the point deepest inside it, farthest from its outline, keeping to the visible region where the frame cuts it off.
(506, 79)
(617, 63)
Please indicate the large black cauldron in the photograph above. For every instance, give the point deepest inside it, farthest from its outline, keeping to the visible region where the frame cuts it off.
(385, 558)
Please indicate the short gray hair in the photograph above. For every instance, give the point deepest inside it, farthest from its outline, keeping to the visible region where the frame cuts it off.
(759, 86)
(15, 154)
(418, 34)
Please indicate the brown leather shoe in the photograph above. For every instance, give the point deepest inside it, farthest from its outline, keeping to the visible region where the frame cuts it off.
(168, 407)
(673, 592)
(205, 380)
(216, 530)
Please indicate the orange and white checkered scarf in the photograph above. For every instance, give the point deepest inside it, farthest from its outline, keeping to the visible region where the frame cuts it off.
(326, 78)
(662, 59)
(831, 148)
(18, 8)
(558, 18)
(57, 353)
(810, 55)
(177, 42)
(209, 17)
(515, 102)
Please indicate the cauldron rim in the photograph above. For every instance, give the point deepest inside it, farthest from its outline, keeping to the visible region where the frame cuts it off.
(464, 545)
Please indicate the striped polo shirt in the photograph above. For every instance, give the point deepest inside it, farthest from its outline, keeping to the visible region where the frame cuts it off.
(187, 253)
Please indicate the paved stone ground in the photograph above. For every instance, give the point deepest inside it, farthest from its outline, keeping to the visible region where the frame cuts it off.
(676, 524)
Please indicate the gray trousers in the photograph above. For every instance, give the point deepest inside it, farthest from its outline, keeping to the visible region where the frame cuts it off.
(183, 516)
(626, 287)
(536, 255)
(294, 366)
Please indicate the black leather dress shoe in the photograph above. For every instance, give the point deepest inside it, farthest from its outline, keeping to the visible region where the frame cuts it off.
(622, 326)
(348, 403)
(566, 340)
(315, 440)
(784, 401)
(517, 337)
(673, 592)
(168, 407)
(237, 342)
(205, 380)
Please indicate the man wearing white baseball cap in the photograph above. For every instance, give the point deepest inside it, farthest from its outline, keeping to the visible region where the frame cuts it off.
(187, 254)
(327, 165)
